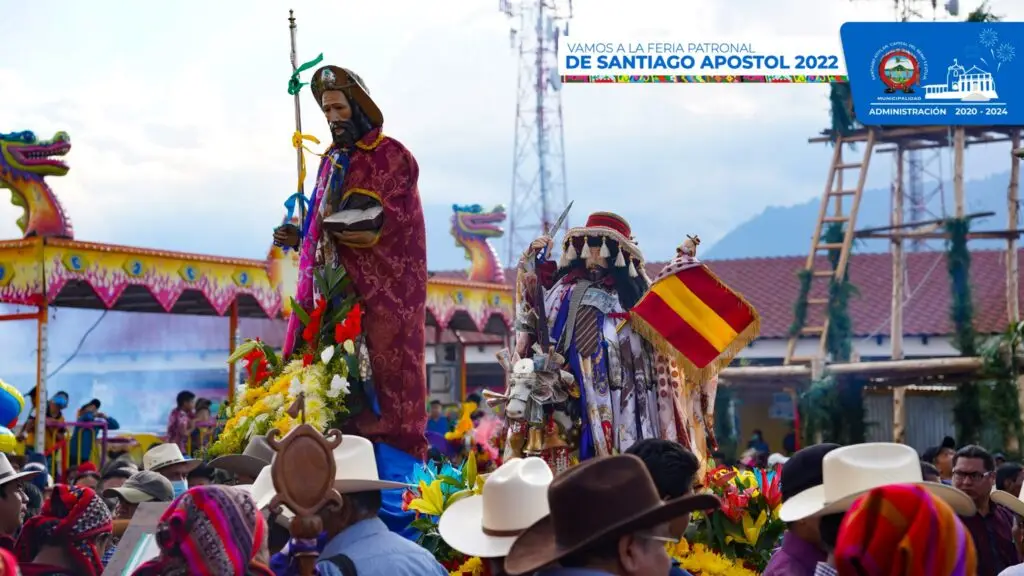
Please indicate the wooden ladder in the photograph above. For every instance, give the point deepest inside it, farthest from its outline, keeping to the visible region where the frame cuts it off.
(835, 191)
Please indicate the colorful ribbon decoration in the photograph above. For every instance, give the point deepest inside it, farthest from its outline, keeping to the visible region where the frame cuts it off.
(294, 84)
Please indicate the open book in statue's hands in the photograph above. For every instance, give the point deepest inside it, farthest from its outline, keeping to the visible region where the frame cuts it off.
(358, 213)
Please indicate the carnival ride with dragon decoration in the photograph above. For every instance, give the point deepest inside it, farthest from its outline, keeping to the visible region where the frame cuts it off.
(48, 267)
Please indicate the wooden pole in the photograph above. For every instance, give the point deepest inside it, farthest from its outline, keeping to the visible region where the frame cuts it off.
(899, 412)
(232, 341)
(1013, 265)
(298, 119)
(959, 143)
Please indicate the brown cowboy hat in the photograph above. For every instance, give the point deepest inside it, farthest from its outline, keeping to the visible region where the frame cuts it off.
(337, 78)
(628, 500)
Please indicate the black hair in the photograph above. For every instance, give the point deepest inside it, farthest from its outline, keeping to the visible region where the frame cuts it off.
(204, 470)
(61, 393)
(829, 529)
(671, 466)
(629, 289)
(94, 402)
(928, 469)
(474, 398)
(948, 442)
(1007, 473)
(975, 451)
(183, 397)
(366, 503)
(435, 402)
(930, 454)
(35, 498)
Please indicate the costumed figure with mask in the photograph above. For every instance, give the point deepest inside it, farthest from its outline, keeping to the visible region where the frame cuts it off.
(608, 386)
(365, 217)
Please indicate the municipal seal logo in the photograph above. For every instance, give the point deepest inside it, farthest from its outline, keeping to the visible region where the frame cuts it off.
(899, 70)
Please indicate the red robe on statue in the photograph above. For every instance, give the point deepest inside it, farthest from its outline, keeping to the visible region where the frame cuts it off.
(389, 274)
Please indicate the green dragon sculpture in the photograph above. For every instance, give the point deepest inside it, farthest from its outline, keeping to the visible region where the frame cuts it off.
(24, 162)
(473, 228)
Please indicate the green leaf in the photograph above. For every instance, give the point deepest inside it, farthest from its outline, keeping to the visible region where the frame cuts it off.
(300, 312)
(469, 469)
(272, 358)
(243, 349)
(319, 281)
(450, 481)
(423, 524)
(458, 496)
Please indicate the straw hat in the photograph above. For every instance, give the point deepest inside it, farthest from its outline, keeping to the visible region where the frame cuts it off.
(336, 78)
(1014, 503)
(7, 473)
(851, 471)
(515, 496)
(164, 455)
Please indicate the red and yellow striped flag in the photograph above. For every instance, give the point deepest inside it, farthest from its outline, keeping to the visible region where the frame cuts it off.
(691, 316)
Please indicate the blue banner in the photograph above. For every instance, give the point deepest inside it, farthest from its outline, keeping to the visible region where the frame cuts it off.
(935, 73)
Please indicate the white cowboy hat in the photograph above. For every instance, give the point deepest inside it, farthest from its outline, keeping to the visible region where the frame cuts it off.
(7, 473)
(851, 471)
(1004, 498)
(515, 496)
(355, 471)
(164, 455)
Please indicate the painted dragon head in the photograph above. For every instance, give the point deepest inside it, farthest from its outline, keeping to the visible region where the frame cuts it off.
(25, 161)
(472, 222)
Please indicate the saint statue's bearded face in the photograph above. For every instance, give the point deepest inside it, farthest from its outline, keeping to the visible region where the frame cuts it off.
(338, 112)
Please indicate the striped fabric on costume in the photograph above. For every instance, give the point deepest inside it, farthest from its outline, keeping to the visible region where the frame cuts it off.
(903, 530)
(209, 531)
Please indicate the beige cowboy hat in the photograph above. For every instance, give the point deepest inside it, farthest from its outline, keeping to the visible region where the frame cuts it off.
(355, 471)
(850, 472)
(514, 497)
(1014, 503)
(598, 499)
(164, 455)
(8, 473)
(256, 456)
(330, 78)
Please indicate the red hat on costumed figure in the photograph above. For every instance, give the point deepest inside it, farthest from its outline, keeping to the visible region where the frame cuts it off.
(602, 227)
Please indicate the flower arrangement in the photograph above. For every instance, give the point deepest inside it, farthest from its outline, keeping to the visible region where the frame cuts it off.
(747, 528)
(699, 560)
(438, 486)
(320, 370)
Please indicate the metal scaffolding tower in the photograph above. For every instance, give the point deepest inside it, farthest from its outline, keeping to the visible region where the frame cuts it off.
(539, 192)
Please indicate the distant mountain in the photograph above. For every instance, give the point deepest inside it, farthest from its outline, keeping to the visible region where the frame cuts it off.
(786, 231)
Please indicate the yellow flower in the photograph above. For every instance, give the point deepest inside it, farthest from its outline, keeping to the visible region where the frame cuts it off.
(700, 559)
(471, 567)
(431, 500)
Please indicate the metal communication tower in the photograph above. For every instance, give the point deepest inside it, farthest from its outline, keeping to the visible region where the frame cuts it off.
(539, 192)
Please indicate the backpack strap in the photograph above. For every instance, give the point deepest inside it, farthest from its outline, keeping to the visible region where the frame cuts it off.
(344, 563)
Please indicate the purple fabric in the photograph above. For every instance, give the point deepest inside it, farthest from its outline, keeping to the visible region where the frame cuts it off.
(438, 442)
(796, 557)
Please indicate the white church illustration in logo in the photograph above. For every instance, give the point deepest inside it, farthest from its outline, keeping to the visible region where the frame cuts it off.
(974, 85)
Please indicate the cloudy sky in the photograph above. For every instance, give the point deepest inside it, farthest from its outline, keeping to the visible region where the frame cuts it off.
(181, 122)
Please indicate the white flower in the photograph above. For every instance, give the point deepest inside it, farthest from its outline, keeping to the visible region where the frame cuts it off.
(349, 346)
(295, 388)
(338, 387)
(327, 354)
(274, 401)
(261, 418)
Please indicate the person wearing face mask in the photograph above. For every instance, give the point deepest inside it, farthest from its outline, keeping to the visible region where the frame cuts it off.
(366, 217)
(54, 434)
(168, 461)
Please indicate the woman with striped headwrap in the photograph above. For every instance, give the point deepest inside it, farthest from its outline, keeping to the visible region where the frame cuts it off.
(210, 531)
(903, 530)
(68, 536)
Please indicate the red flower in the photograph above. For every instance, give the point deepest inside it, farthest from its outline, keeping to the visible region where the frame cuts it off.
(407, 497)
(351, 327)
(307, 359)
(255, 363)
(312, 328)
(734, 505)
(720, 477)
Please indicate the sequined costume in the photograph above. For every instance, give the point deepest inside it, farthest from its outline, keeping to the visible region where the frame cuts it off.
(622, 389)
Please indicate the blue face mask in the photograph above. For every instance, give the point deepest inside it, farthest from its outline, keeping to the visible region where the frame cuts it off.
(61, 402)
(180, 487)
